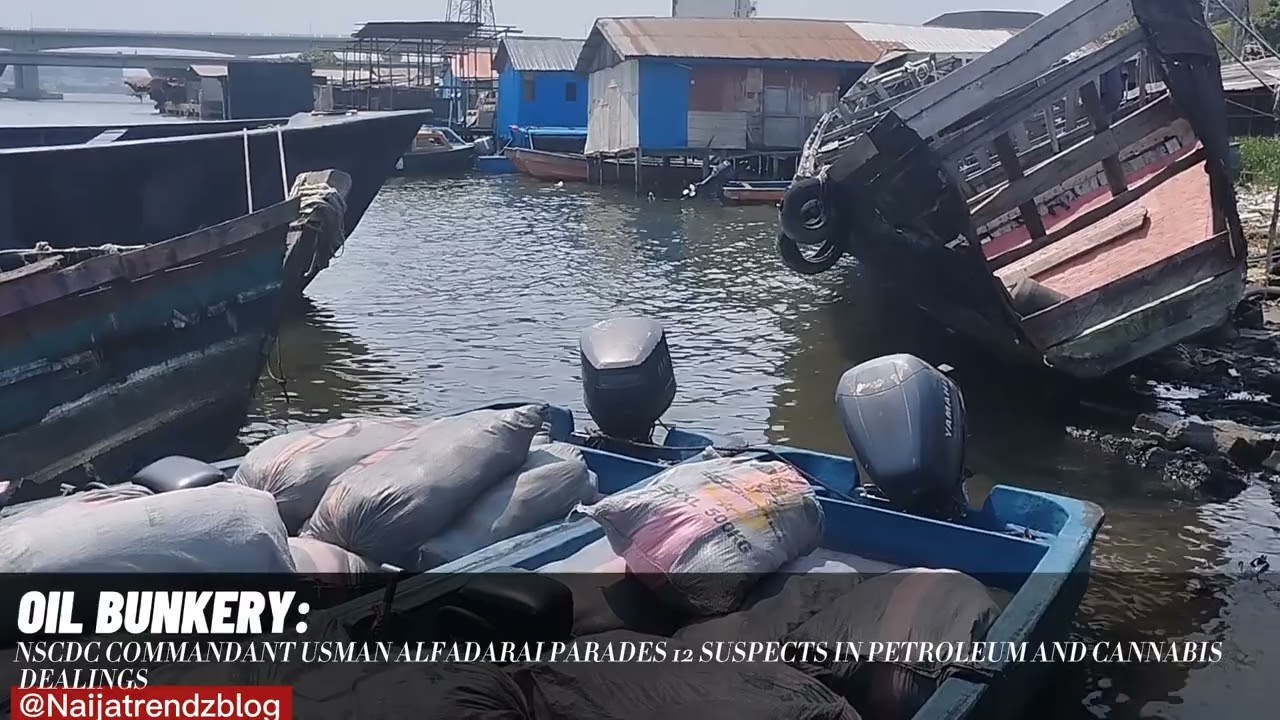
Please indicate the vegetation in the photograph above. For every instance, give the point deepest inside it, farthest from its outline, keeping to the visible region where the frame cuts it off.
(1261, 161)
(1266, 20)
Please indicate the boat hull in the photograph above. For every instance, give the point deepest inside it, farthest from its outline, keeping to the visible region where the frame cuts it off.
(495, 165)
(444, 162)
(130, 192)
(743, 193)
(550, 166)
(113, 362)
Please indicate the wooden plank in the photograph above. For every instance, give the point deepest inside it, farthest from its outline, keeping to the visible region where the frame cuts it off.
(1121, 224)
(38, 266)
(37, 289)
(1085, 219)
(1062, 81)
(1030, 212)
(1018, 60)
(1098, 116)
(1056, 325)
(1075, 160)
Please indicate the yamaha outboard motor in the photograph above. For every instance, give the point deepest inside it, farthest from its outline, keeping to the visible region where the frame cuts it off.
(627, 380)
(906, 422)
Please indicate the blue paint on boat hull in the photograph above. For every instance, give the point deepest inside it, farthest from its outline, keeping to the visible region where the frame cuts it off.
(137, 192)
(95, 384)
(495, 165)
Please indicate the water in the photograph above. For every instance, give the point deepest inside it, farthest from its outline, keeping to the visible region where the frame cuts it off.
(462, 292)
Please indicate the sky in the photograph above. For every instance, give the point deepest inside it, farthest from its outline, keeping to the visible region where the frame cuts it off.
(566, 18)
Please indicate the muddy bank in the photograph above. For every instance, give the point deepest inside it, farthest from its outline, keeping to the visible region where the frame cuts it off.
(1211, 426)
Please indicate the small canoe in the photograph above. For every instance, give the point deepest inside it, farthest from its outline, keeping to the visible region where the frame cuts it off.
(551, 166)
(761, 192)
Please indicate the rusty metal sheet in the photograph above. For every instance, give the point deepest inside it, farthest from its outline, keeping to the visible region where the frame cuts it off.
(733, 39)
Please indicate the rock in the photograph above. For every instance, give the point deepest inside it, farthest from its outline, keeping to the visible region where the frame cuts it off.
(1243, 445)
(1272, 462)
(1157, 423)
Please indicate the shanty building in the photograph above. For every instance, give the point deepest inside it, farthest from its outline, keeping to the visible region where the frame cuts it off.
(698, 86)
(538, 85)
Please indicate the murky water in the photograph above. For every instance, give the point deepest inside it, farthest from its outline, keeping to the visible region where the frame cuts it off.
(463, 292)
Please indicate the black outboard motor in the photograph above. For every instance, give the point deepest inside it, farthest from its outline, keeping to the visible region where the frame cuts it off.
(627, 379)
(906, 422)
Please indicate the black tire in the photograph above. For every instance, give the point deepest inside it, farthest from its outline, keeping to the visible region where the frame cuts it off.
(824, 259)
(804, 216)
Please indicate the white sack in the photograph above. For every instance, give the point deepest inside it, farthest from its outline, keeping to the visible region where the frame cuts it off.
(223, 528)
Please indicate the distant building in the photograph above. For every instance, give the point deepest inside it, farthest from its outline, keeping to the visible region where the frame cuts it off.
(537, 84)
(672, 86)
(986, 20)
(713, 8)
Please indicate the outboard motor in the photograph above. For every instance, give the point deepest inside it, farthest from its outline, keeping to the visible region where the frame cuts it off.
(627, 379)
(906, 422)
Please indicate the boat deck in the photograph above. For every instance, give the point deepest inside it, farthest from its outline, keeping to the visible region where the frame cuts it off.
(1172, 217)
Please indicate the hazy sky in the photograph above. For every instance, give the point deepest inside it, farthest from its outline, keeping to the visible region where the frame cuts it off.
(535, 17)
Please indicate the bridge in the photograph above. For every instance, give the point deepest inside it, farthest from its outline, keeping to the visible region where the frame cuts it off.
(35, 40)
(123, 60)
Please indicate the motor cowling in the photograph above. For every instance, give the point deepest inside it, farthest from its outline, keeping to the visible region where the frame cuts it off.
(906, 422)
(627, 378)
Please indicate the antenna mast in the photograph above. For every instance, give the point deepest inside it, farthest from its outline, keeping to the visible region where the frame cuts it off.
(471, 11)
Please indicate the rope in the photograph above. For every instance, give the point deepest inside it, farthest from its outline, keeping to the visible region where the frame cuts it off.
(248, 172)
(322, 210)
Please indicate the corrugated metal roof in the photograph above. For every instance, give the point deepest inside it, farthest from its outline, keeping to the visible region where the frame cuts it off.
(1237, 78)
(538, 54)
(209, 71)
(941, 40)
(729, 39)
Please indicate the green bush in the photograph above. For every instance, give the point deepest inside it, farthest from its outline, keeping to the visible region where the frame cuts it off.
(1261, 160)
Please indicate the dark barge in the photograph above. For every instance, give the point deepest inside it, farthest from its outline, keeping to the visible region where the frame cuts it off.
(1108, 235)
(95, 185)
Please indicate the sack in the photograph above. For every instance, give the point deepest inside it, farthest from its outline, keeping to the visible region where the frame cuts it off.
(931, 606)
(298, 467)
(553, 480)
(313, 557)
(475, 691)
(606, 598)
(702, 533)
(779, 604)
(222, 528)
(87, 498)
(387, 505)
(707, 691)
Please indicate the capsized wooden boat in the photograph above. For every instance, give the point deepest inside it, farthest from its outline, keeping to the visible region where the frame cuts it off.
(1049, 199)
(111, 358)
(550, 166)
(754, 192)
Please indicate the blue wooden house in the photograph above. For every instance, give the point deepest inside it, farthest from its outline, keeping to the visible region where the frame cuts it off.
(688, 86)
(537, 84)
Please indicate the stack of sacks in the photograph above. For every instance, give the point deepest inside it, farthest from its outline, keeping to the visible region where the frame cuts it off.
(552, 482)
(222, 528)
(388, 504)
(298, 468)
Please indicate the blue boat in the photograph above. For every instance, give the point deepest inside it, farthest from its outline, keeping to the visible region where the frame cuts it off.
(1032, 549)
(113, 357)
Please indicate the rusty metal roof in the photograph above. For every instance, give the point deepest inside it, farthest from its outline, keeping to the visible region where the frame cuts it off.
(538, 54)
(939, 40)
(727, 39)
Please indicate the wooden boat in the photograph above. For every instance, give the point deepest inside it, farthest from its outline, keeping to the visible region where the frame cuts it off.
(498, 164)
(113, 357)
(438, 151)
(1039, 205)
(136, 185)
(754, 192)
(545, 165)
